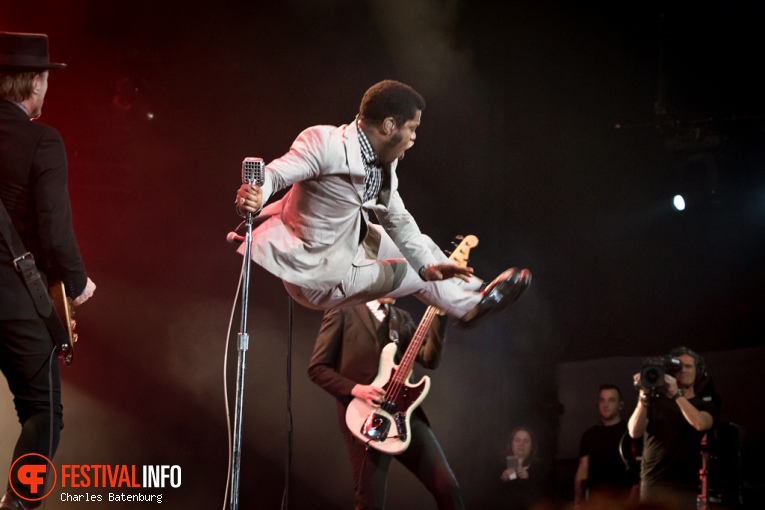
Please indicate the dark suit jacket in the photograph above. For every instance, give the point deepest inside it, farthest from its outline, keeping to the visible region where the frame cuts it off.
(33, 188)
(347, 351)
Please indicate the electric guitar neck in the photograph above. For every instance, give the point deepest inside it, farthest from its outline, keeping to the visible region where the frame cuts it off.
(386, 428)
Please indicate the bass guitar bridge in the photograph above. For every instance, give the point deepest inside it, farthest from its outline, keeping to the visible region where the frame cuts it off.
(376, 427)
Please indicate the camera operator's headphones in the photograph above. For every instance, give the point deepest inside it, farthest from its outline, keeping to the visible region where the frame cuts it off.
(703, 384)
(701, 368)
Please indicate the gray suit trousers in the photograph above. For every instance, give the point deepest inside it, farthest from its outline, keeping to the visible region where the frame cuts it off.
(392, 276)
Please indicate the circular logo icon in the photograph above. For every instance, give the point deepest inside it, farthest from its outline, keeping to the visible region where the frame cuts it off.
(31, 474)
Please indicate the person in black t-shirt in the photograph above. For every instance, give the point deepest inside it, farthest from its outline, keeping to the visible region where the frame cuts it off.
(601, 467)
(673, 425)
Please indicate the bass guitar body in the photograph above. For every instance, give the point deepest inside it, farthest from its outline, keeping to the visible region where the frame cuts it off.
(386, 428)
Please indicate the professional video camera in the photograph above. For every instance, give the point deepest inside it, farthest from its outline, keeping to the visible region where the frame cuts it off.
(653, 370)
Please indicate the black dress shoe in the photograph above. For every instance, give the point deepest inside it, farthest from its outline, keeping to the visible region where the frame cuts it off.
(505, 289)
(11, 502)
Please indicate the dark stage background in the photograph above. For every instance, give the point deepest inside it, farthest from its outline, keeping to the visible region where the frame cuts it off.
(555, 132)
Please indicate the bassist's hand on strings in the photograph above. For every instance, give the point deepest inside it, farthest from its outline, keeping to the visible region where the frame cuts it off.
(372, 395)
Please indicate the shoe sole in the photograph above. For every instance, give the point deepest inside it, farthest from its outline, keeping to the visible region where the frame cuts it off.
(507, 291)
(518, 285)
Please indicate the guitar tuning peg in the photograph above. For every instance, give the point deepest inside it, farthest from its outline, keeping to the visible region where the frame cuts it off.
(459, 237)
(447, 252)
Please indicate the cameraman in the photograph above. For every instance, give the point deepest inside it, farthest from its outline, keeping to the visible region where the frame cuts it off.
(674, 419)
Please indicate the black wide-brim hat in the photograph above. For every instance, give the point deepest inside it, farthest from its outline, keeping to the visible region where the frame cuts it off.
(25, 52)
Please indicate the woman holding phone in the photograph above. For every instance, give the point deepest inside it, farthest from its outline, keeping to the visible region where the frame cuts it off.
(524, 478)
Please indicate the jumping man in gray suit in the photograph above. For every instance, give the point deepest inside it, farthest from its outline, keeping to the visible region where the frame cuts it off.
(318, 239)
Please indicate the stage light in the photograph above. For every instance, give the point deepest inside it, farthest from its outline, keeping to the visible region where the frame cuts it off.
(693, 175)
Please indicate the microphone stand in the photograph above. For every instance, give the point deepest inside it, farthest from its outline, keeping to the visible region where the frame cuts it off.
(244, 340)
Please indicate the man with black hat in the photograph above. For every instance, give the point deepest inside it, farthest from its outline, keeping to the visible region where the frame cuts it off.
(33, 173)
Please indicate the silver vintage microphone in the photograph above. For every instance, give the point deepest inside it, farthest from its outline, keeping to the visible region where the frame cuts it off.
(253, 171)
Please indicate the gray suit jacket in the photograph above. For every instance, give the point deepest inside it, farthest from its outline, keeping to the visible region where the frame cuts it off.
(312, 236)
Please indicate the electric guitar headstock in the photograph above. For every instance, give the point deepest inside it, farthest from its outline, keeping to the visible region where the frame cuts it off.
(461, 253)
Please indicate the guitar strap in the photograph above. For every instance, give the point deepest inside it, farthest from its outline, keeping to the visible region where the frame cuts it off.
(393, 325)
(24, 263)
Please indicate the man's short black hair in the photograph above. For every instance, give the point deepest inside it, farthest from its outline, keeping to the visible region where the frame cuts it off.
(390, 98)
(611, 387)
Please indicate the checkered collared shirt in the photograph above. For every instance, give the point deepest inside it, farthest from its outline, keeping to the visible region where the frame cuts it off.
(372, 168)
